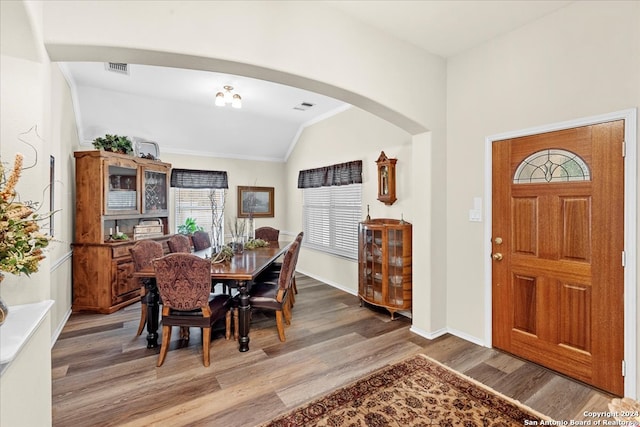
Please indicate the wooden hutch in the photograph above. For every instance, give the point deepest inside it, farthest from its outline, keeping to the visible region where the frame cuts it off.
(115, 193)
(384, 264)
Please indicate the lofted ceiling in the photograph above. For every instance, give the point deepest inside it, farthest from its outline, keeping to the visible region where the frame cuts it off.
(175, 107)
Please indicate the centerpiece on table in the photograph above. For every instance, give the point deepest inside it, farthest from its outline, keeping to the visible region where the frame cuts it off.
(237, 229)
(256, 243)
(21, 241)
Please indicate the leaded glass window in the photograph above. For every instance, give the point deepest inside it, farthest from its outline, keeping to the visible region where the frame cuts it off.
(552, 165)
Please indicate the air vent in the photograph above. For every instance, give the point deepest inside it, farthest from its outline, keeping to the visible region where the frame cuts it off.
(304, 106)
(117, 67)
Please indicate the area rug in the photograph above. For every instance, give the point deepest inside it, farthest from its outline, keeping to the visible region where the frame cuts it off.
(418, 391)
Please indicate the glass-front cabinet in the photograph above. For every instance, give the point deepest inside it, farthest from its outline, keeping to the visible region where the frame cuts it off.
(384, 264)
(122, 189)
(154, 191)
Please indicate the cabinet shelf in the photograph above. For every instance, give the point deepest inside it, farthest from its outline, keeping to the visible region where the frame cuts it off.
(384, 264)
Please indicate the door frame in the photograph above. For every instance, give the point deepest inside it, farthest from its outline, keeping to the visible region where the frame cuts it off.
(630, 225)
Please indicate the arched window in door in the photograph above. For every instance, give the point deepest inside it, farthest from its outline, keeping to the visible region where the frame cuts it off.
(552, 165)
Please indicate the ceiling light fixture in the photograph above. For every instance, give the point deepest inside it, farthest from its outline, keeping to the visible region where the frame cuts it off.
(226, 97)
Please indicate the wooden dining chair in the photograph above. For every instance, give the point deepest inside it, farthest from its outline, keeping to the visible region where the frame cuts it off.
(271, 274)
(268, 234)
(143, 252)
(201, 240)
(184, 284)
(179, 243)
(270, 296)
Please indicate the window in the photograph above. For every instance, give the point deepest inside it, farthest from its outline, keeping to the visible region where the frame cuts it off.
(552, 166)
(330, 219)
(196, 203)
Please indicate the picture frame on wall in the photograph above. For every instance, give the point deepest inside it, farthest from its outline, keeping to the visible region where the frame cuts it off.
(255, 202)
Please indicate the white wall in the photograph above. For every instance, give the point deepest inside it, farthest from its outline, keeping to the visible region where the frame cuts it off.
(350, 135)
(583, 60)
(315, 47)
(239, 172)
(34, 95)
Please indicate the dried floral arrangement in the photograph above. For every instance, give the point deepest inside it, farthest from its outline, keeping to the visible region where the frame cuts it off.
(21, 241)
(256, 243)
(225, 255)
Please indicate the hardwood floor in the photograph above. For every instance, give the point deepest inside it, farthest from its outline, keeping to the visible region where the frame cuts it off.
(103, 375)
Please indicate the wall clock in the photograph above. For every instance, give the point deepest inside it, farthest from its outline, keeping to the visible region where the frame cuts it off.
(386, 179)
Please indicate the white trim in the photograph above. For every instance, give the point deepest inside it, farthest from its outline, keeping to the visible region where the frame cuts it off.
(328, 282)
(630, 224)
(55, 265)
(74, 100)
(58, 331)
(428, 335)
(443, 331)
(313, 122)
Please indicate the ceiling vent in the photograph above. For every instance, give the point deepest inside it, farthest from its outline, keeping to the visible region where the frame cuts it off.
(117, 67)
(303, 106)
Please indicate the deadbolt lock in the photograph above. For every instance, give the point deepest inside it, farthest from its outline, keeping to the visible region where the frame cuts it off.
(497, 240)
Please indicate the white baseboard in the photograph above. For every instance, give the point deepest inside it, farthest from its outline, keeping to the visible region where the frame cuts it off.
(59, 329)
(428, 335)
(328, 282)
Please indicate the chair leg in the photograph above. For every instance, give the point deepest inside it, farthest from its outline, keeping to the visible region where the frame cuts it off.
(143, 316)
(227, 323)
(184, 333)
(293, 285)
(292, 297)
(286, 311)
(280, 325)
(166, 340)
(236, 324)
(206, 345)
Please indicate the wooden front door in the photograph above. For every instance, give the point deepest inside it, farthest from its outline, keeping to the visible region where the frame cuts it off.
(557, 245)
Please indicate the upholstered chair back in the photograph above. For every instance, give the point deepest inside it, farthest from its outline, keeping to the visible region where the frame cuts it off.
(200, 240)
(179, 243)
(183, 280)
(269, 234)
(144, 252)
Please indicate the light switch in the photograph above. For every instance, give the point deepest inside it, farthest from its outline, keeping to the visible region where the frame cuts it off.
(475, 214)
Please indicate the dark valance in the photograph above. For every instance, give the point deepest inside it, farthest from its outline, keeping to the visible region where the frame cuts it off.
(340, 174)
(192, 178)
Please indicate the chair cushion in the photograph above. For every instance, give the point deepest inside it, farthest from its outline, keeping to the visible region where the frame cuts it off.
(263, 295)
(218, 304)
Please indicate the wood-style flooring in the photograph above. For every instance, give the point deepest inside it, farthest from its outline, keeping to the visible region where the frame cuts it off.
(103, 375)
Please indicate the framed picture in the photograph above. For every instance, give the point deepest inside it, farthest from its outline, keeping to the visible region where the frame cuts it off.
(256, 202)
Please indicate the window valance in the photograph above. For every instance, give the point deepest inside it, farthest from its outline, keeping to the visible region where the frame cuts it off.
(340, 174)
(192, 178)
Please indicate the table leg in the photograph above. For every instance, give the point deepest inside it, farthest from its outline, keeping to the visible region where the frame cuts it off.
(244, 316)
(153, 312)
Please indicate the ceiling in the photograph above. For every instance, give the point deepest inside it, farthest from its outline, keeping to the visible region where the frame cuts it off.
(174, 107)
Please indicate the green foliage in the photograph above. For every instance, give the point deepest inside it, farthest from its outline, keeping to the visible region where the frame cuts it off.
(225, 255)
(189, 227)
(115, 143)
(256, 243)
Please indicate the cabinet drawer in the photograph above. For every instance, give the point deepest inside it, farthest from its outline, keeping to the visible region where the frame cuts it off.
(120, 251)
(123, 281)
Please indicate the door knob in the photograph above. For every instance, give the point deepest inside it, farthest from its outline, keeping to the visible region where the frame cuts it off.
(497, 256)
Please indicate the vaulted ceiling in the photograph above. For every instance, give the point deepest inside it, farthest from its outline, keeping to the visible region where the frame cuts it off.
(175, 107)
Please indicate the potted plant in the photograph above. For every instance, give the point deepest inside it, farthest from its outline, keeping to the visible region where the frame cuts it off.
(22, 242)
(189, 227)
(115, 143)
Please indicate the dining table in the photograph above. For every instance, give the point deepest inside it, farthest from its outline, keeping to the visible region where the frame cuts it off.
(240, 273)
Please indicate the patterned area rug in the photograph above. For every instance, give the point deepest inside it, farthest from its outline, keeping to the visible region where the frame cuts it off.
(415, 392)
